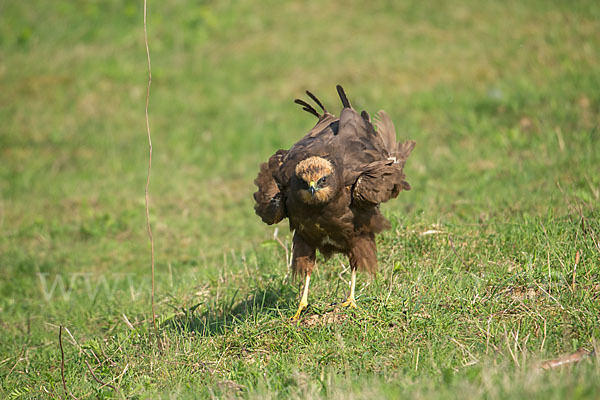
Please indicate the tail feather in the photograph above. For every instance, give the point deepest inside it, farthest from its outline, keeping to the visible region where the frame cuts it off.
(398, 151)
(403, 150)
(343, 96)
(385, 127)
(316, 100)
(365, 115)
(307, 107)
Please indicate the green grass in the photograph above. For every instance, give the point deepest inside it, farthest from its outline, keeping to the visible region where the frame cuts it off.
(477, 280)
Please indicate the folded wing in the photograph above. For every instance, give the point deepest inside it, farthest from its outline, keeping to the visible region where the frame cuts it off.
(375, 160)
(270, 204)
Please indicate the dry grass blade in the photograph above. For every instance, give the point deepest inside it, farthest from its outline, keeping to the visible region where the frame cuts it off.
(62, 363)
(575, 271)
(567, 359)
(467, 266)
(148, 177)
(21, 352)
(288, 258)
(98, 380)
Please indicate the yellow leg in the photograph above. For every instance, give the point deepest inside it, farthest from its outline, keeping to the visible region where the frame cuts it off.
(350, 302)
(304, 301)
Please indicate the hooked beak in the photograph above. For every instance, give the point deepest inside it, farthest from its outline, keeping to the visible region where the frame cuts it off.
(312, 188)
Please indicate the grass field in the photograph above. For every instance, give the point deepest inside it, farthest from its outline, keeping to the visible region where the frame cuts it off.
(492, 264)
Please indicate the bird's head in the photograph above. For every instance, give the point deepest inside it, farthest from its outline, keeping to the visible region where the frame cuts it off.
(317, 180)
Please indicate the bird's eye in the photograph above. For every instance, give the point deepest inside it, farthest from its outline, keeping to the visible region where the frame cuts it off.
(323, 180)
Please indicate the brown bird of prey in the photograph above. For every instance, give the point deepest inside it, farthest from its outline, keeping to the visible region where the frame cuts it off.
(330, 184)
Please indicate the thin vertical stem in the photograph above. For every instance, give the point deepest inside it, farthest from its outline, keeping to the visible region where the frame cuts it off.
(149, 169)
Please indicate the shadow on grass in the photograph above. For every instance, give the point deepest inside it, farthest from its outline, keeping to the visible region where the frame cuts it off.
(220, 316)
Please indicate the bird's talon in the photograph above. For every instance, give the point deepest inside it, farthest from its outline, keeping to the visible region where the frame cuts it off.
(296, 317)
(349, 303)
(301, 308)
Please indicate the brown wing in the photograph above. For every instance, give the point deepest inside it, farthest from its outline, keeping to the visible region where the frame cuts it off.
(364, 149)
(270, 204)
(398, 151)
(383, 179)
(380, 182)
(359, 143)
